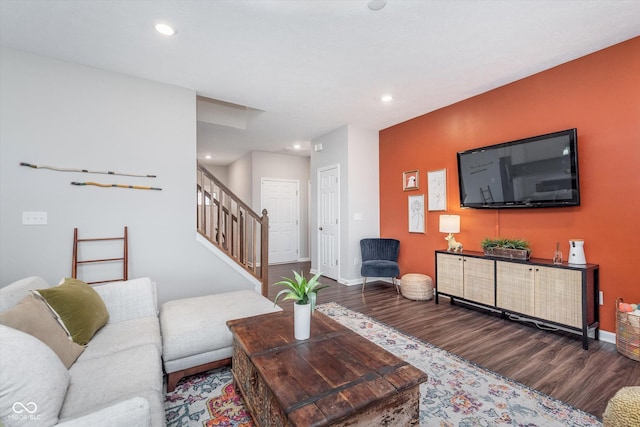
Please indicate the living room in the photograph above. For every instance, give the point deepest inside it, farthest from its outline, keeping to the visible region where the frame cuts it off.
(161, 139)
(61, 113)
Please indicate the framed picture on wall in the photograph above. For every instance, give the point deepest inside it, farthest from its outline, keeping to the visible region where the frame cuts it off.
(437, 188)
(416, 214)
(410, 180)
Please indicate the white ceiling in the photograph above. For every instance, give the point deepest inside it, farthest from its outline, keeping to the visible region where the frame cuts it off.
(306, 67)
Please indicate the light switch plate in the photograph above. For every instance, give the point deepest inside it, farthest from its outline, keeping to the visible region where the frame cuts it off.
(34, 218)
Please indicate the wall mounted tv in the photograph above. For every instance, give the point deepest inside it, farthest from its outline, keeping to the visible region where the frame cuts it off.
(536, 172)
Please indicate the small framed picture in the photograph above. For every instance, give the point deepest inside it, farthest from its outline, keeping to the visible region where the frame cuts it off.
(416, 214)
(437, 188)
(410, 180)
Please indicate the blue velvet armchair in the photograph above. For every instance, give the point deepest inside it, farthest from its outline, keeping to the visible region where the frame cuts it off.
(380, 259)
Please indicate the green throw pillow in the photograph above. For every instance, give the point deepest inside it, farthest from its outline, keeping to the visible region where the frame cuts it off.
(78, 307)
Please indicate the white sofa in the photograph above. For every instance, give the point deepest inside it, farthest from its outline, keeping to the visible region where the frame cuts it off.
(116, 381)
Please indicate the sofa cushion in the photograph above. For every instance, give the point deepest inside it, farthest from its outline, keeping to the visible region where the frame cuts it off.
(34, 380)
(79, 308)
(120, 336)
(33, 316)
(13, 293)
(130, 299)
(134, 412)
(103, 381)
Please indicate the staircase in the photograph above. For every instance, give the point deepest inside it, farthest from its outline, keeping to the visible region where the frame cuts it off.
(233, 227)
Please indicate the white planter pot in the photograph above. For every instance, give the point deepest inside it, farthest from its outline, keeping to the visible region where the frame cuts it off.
(302, 321)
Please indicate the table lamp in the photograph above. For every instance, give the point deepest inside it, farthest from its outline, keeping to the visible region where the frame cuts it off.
(451, 224)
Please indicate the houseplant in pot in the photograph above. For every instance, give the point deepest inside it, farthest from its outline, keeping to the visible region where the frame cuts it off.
(506, 248)
(304, 293)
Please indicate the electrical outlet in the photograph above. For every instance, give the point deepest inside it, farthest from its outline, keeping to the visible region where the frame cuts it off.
(601, 298)
(356, 261)
(34, 218)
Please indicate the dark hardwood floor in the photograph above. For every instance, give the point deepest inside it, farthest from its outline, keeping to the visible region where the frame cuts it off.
(551, 362)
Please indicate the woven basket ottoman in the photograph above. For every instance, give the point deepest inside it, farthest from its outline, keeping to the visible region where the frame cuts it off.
(415, 286)
(623, 409)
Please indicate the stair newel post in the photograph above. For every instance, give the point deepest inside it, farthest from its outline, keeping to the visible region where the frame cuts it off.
(264, 253)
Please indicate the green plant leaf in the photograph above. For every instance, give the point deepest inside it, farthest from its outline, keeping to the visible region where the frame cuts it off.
(299, 289)
(503, 243)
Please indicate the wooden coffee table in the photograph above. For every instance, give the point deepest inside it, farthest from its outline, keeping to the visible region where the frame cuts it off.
(335, 378)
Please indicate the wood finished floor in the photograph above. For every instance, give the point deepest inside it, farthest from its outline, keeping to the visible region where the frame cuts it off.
(551, 362)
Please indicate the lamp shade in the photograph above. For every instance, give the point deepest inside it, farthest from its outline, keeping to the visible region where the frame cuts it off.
(449, 223)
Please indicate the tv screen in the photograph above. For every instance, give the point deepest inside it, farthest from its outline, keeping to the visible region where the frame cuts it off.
(541, 171)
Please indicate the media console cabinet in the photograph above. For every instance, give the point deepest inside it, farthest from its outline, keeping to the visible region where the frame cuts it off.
(563, 295)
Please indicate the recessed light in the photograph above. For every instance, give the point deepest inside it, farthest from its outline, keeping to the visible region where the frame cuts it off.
(297, 146)
(386, 98)
(207, 156)
(165, 29)
(376, 4)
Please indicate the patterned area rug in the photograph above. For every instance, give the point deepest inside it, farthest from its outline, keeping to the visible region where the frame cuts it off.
(458, 393)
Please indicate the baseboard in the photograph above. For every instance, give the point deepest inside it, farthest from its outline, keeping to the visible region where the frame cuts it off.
(358, 282)
(350, 282)
(289, 262)
(346, 282)
(607, 336)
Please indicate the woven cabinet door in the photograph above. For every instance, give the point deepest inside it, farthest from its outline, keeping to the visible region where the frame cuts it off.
(515, 287)
(479, 280)
(450, 275)
(558, 296)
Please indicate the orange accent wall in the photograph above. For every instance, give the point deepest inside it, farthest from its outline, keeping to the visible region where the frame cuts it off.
(598, 94)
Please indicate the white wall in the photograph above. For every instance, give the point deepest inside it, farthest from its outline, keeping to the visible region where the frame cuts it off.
(67, 115)
(220, 172)
(363, 211)
(356, 151)
(334, 152)
(240, 178)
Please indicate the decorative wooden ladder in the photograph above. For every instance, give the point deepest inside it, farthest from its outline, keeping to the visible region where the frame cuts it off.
(124, 259)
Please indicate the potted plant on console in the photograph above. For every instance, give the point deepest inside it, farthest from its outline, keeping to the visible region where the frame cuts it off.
(304, 293)
(506, 248)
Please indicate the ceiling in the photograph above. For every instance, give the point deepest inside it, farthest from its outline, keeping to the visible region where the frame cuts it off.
(280, 72)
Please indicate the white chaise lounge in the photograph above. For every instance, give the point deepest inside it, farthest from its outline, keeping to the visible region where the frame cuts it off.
(195, 337)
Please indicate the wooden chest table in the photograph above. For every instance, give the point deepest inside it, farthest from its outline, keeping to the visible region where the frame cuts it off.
(335, 378)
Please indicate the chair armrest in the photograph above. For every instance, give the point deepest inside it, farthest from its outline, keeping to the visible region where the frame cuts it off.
(134, 412)
(131, 299)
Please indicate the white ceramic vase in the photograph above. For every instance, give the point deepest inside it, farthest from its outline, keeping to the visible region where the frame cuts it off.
(302, 321)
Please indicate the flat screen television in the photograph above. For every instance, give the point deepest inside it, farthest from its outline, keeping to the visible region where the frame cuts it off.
(536, 172)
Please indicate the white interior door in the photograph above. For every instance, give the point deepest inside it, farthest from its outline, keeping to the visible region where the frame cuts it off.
(328, 224)
(280, 199)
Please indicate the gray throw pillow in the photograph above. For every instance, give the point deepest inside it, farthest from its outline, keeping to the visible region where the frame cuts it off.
(34, 380)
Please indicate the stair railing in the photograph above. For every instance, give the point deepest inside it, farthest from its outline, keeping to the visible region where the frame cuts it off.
(232, 226)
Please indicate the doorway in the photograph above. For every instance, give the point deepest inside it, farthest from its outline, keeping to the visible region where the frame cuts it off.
(280, 198)
(328, 220)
